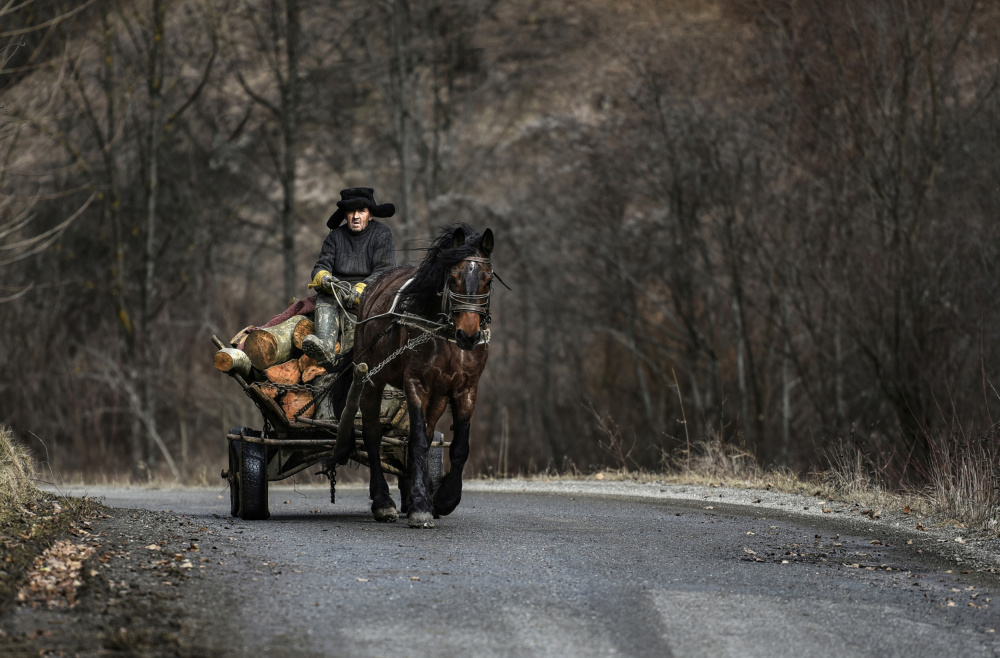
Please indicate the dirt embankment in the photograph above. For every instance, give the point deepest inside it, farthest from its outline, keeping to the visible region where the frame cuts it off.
(137, 589)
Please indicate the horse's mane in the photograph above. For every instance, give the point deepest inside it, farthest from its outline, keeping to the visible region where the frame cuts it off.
(421, 296)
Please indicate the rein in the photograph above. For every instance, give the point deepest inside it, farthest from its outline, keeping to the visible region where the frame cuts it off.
(451, 302)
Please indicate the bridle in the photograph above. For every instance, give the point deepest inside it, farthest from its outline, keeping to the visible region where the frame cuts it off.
(454, 302)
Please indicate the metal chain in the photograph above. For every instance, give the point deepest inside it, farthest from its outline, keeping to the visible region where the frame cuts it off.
(312, 388)
(410, 344)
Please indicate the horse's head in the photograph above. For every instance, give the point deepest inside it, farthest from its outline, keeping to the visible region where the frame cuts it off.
(465, 299)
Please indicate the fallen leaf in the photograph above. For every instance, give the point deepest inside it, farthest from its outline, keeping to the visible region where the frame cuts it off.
(827, 510)
(906, 510)
(599, 476)
(153, 547)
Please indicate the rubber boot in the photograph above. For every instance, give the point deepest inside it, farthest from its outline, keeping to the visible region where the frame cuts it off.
(322, 344)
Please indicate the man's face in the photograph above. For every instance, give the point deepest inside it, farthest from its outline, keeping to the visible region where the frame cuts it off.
(357, 220)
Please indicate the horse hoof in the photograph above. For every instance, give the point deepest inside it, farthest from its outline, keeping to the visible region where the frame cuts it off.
(386, 514)
(421, 520)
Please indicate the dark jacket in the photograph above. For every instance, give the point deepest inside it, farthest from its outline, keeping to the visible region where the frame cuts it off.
(357, 257)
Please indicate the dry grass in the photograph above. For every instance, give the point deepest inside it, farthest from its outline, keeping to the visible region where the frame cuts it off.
(16, 472)
(963, 479)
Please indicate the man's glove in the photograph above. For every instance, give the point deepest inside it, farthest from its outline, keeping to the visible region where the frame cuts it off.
(326, 282)
(317, 281)
(353, 298)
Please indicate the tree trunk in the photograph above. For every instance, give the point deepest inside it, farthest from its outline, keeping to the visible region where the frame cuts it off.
(289, 112)
(272, 345)
(155, 89)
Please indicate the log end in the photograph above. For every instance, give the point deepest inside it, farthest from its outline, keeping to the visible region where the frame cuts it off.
(304, 328)
(262, 348)
(223, 362)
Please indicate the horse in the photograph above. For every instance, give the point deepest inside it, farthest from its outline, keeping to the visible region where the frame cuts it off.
(426, 327)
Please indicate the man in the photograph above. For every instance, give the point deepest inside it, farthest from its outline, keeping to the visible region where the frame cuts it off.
(353, 255)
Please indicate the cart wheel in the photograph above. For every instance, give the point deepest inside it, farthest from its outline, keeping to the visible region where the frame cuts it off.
(234, 467)
(234, 478)
(253, 481)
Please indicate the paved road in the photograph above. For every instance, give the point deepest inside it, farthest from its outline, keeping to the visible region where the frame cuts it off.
(527, 574)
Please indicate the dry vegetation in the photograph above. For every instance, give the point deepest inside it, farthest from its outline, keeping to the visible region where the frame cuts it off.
(961, 490)
(30, 522)
(17, 473)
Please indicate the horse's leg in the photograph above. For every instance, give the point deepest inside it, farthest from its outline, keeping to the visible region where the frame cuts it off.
(383, 508)
(404, 495)
(449, 495)
(424, 412)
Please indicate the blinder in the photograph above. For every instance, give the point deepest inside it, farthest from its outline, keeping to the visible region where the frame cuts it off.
(453, 302)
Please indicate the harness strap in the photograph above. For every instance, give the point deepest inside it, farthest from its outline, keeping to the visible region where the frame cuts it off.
(399, 294)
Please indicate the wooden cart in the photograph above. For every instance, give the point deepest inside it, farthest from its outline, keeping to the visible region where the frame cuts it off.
(284, 447)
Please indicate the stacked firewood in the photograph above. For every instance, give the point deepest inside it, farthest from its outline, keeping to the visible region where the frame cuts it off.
(273, 355)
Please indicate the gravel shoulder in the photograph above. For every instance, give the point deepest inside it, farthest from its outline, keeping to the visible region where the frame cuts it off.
(141, 592)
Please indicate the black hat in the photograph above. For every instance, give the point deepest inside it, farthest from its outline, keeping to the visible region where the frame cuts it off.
(355, 198)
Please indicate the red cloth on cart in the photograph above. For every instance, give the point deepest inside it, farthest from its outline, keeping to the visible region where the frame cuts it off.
(301, 307)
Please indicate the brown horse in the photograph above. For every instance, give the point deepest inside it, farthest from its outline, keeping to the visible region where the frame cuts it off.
(437, 315)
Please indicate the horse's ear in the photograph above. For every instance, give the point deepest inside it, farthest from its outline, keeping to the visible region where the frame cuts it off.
(458, 238)
(486, 244)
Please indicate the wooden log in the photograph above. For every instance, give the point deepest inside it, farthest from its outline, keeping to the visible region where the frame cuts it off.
(304, 328)
(233, 361)
(284, 373)
(293, 401)
(310, 369)
(272, 345)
